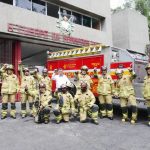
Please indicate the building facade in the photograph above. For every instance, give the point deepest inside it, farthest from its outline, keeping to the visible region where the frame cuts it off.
(130, 30)
(28, 28)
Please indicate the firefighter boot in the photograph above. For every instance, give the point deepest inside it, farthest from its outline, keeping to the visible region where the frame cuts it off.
(31, 109)
(94, 114)
(109, 108)
(4, 110)
(13, 111)
(23, 110)
(83, 115)
(134, 114)
(148, 111)
(124, 114)
(58, 116)
(46, 113)
(102, 111)
(66, 117)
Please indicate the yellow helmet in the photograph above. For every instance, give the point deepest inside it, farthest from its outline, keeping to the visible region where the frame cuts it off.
(147, 67)
(25, 69)
(10, 67)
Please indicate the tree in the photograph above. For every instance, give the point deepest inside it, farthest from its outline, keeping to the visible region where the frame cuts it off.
(127, 4)
(143, 6)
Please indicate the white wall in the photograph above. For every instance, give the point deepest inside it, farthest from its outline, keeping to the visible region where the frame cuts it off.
(130, 30)
(20, 16)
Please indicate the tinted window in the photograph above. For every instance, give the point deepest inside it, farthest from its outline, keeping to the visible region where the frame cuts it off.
(7, 1)
(65, 12)
(95, 24)
(52, 10)
(39, 6)
(24, 4)
(86, 21)
(77, 18)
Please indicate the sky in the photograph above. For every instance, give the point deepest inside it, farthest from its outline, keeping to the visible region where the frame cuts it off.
(116, 3)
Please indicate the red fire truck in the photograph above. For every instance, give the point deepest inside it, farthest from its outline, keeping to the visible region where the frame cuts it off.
(96, 56)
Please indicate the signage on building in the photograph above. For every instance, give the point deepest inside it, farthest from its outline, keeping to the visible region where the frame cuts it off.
(44, 34)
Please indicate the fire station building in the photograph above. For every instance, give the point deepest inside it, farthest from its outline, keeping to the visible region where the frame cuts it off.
(28, 28)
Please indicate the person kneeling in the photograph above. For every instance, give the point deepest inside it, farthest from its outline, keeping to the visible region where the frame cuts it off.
(86, 104)
(65, 105)
(43, 105)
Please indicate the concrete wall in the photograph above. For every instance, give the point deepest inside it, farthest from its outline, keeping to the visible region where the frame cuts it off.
(138, 31)
(99, 7)
(16, 15)
(120, 31)
(130, 30)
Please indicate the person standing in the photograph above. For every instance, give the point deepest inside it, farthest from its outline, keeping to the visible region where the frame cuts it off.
(83, 77)
(27, 83)
(10, 87)
(105, 90)
(146, 91)
(60, 79)
(125, 91)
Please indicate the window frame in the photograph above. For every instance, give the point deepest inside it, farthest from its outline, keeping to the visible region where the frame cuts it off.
(55, 5)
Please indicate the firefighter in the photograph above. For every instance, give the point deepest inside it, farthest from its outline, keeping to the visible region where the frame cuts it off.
(27, 82)
(10, 86)
(125, 91)
(45, 79)
(42, 105)
(105, 90)
(85, 101)
(83, 76)
(146, 91)
(36, 75)
(65, 105)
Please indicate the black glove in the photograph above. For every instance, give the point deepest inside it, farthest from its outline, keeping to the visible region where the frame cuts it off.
(49, 102)
(26, 89)
(76, 73)
(36, 103)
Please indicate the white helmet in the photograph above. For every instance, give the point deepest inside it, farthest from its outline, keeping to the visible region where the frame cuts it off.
(84, 68)
(119, 71)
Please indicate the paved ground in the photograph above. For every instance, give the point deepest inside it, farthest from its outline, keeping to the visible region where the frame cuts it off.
(24, 134)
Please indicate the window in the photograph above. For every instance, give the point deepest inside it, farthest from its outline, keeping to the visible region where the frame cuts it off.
(77, 18)
(24, 4)
(86, 21)
(52, 10)
(95, 24)
(7, 1)
(65, 12)
(39, 6)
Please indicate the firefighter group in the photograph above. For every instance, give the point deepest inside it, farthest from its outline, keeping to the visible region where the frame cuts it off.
(79, 103)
